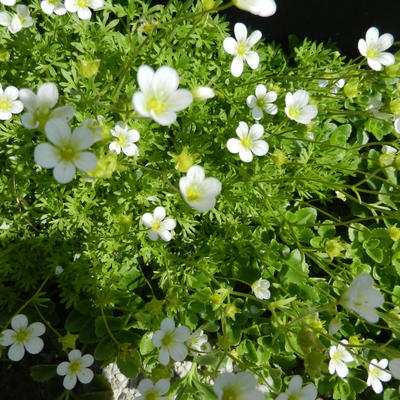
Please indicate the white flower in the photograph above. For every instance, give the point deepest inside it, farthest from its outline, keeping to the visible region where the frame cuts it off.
(125, 141)
(249, 142)
(198, 191)
(198, 341)
(16, 21)
(373, 48)
(240, 48)
(200, 93)
(182, 368)
(160, 97)
(22, 336)
(8, 2)
(39, 106)
(362, 298)
(263, 8)
(153, 392)
(297, 107)
(262, 102)
(339, 357)
(394, 367)
(58, 270)
(397, 124)
(240, 386)
(4, 225)
(160, 227)
(75, 369)
(376, 374)
(171, 341)
(260, 289)
(53, 6)
(9, 104)
(67, 153)
(296, 391)
(82, 7)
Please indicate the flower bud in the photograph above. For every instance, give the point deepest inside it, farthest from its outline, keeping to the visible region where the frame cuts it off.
(88, 68)
(184, 160)
(200, 93)
(394, 233)
(125, 220)
(279, 158)
(106, 165)
(333, 248)
(4, 55)
(231, 310)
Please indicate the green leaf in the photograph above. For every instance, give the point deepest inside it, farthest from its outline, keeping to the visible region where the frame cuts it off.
(75, 321)
(146, 345)
(113, 323)
(129, 363)
(105, 350)
(340, 135)
(378, 128)
(42, 373)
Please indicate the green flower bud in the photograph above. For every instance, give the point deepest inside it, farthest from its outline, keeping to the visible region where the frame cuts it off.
(394, 233)
(333, 248)
(4, 55)
(88, 68)
(395, 106)
(279, 158)
(386, 160)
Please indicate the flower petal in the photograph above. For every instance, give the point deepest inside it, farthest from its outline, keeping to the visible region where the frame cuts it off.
(234, 145)
(240, 31)
(47, 95)
(165, 118)
(245, 155)
(7, 337)
(182, 333)
(84, 13)
(16, 352)
(19, 322)
(37, 329)
(196, 174)
(257, 113)
(62, 368)
(57, 131)
(159, 213)
(180, 100)
(65, 112)
(69, 381)
(230, 45)
(178, 351)
(261, 90)
(254, 38)
(165, 235)
(163, 356)
(64, 172)
(242, 130)
(85, 161)
(82, 138)
(87, 360)
(372, 35)
(46, 155)
(256, 131)
(139, 104)
(162, 386)
(260, 148)
(145, 385)
(11, 93)
(237, 66)
(212, 186)
(34, 345)
(252, 59)
(86, 375)
(166, 80)
(167, 325)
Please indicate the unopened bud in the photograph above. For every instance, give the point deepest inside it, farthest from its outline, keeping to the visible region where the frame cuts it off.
(88, 68)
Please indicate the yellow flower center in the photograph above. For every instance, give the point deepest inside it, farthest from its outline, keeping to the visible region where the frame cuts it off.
(192, 194)
(260, 103)
(4, 105)
(246, 143)
(372, 53)
(294, 112)
(241, 49)
(67, 152)
(82, 3)
(21, 336)
(75, 366)
(151, 395)
(53, 1)
(122, 141)
(156, 105)
(156, 225)
(167, 339)
(337, 355)
(229, 394)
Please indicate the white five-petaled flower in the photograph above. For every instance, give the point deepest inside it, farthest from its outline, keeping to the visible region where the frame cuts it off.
(296, 391)
(373, 48)
(82, 7)
(240, 386)
(160, 97)
(53, 6)
(198, 341)
(339, 357)
(362, 298)
(18, 20)
(125, 140)
(76, 368)
(262, 102)
(240, 48)
(171, 341)
(261, 289)
(66, 153)
(149, 391)
(39, 106)
(9, 104)
(182, 368)
(376, 374)
(8, 2)
(262, 8)
(160, 226)
(22, 336)
(297, 107)
(249, 142)
(198, 191)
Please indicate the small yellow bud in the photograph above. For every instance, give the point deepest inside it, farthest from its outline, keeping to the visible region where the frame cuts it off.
(208, 4)
(279, 158)
(68, 341)
(88, 68)
(154, 307)
(351, 89)
(125, 220)
(184, 160)
(4, 55)
(354, 341)
(333, 248)
(231, 310)
(106, 165)
(395, 106)
(394, 233)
